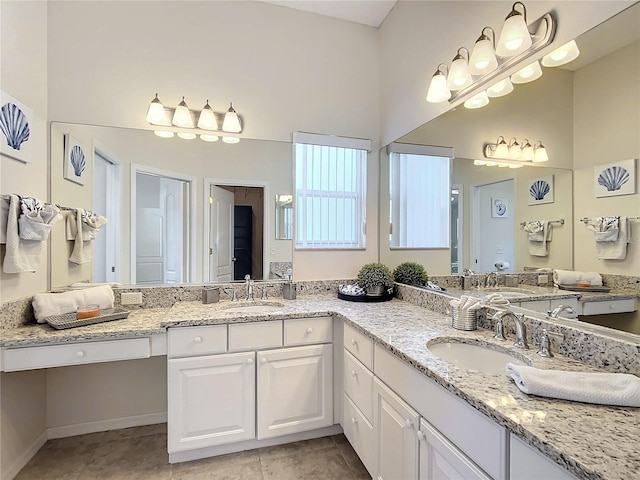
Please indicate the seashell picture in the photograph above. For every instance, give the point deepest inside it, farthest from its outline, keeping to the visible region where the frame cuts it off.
(617, 178)
(76, 158)
(15, 124)
(540, 190)
(499, 208)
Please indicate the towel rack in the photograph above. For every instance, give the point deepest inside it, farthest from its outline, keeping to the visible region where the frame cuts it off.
(561, 222)
(586, 219)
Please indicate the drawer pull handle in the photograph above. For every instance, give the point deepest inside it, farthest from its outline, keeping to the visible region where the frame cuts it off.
(80, 354)
(309, 330)
(197, 339)
(354, 420)
(420, 435)
(249, 361)
(408, 423)
(354, 374)
(612, 307)
(263, 360)
(353, 342)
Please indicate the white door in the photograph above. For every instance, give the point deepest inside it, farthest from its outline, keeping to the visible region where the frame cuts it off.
(295, 390)
(221, 235)
(211, 400)
(494, 226)
(396, 425)
(106, 201)
(441, 460)
(175, 206)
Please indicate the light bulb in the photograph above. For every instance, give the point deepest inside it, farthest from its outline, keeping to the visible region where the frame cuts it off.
(182, 115)
(500, 89)
(163, 133)
(477, 101)
(515, 37)
(562, 55)
(230, 139)
(209, 138)
(527, 74)
(438, 91)
(231, 121)
(186, 136)
(156, 114)
(207, 119)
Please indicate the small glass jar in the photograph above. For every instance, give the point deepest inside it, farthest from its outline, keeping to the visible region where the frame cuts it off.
(87, 311)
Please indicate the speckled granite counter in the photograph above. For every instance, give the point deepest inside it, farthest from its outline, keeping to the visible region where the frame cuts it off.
(531, 293)
(591, 441)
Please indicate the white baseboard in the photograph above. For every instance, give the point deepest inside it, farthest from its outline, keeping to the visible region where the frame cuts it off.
(23, 459)
(105, 425)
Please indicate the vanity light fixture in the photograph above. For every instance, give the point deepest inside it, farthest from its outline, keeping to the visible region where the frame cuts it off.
(527, 74)
(515, 37)
(207, 119)
(164, 133)
(477, 101)
(527, 151)
(230, 139)
(483, 58)
(182, 115)
(208, 138)
(501, 150)
(438, 91)
(231, 121)
(186, 135)
(562, 55)
(540, 153)
(514, 149)
(156, 114)
(500, 89)
(459, 76)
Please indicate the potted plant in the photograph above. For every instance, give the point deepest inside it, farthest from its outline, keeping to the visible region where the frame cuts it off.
(410, 273)
(375, 278)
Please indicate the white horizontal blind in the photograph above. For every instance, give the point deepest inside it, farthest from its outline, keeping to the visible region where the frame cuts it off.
(330, 196)
(420, 203)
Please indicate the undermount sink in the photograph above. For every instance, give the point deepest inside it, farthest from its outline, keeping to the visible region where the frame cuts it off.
(254, 308)
(483, 358)
(508, 292)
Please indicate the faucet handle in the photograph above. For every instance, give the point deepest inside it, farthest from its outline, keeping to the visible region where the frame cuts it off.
(521, 331)
(234, 294)
(264, 296)
(545, 342)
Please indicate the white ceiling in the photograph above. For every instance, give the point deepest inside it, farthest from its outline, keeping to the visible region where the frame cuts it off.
(366, 12)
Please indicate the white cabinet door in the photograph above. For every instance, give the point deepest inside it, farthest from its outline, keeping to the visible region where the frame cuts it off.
(526, 463)
(396, 425)
(441, 460)
(295, 390)
(211, 400)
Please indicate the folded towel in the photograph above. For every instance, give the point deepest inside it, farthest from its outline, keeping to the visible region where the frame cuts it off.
(355, 290)
(36, 224)
(621, 389)
(47, 304)
(535, 231)
(569, 277)
(21, 255)
(615, 249)
(4, 214)
(30, 204)
(539, 234)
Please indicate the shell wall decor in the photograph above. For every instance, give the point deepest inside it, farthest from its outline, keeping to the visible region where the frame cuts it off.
(613, 179)
(77, 159)
(16, 121)
(539, 189)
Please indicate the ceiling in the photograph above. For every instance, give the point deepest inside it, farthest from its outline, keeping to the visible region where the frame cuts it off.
(366, 12)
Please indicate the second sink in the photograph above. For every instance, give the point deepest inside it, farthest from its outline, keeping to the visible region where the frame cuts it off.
(254, 308)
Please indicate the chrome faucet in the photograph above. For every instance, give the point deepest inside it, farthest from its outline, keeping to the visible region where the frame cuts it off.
(489, 282)
(545, 342)
(249, 285)
(559, 309)
(234, 294)
(521, 328)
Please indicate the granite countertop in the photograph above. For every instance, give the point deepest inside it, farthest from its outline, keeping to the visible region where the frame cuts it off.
(532, 292)
(591, 441)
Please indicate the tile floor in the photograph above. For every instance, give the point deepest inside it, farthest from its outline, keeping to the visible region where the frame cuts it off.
(140, 453)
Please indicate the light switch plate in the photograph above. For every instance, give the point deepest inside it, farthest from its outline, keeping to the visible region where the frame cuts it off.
(134, 298)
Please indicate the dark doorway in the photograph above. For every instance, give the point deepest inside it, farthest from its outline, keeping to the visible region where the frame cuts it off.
(242, 246)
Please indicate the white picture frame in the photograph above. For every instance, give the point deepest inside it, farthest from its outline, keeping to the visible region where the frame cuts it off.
(540, 190)
(499, 207)
(75, 160)
(16, 122)
(613, 179)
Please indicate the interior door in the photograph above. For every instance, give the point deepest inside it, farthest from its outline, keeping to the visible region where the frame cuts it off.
(150, 246)
(221, 235)
(106, 201)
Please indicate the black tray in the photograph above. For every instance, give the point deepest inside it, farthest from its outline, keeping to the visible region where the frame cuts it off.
(575, 288)
(366, 298)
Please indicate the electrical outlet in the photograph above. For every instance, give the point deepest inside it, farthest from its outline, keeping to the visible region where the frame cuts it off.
(543, 279)
(134, 298)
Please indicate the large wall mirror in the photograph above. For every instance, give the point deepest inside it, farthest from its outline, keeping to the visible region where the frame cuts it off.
(179, 211)
(541, 110)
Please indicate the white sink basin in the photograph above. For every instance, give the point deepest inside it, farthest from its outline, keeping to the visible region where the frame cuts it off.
(477, 357)
(509, 292)
(254, 308)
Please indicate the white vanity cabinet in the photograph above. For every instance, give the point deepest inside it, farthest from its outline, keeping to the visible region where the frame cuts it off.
(529, 464)
(544, 306)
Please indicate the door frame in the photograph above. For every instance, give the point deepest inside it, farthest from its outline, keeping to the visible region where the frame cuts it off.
(266, 194)
(461, 229)
(190, 244)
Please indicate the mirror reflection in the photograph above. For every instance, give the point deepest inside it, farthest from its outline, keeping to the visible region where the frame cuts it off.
(179, 211)
(284, 217)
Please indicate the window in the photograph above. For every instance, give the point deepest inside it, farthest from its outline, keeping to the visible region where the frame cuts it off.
(330, 180)
(420, 200)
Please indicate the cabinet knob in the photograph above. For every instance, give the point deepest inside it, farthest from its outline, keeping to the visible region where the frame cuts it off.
(198, 339)
(408, 423)
(309, 330)
(354, 374)
(612, 307)
(249, 361)
(80, 354)
(420, 435)
(263, 360)
(354, 420)
(353, 341)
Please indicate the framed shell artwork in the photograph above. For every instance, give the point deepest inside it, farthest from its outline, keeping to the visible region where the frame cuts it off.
(75, 160)
(16, 120)
(499, 208)
(618, 178)
(541, 190)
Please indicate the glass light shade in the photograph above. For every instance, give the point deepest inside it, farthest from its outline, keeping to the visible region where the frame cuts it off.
(527, 74)
(163, 133)
(540, 154)
(564, 54)
(438, 91)
(230, 139)
(491, 164)
(459, 76)
(483, 58)
(231, 121)
(500, 89)
(209, 138)
(515, 165)
(502, 149)
(503, 165)
(207, 119)
(514, 150)
(515, 37)
(477, 101)
(156, 114)
(187, 136)
(527, 151)
(182, 115)
(479, 162)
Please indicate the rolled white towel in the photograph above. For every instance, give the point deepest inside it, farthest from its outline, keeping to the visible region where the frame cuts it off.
(48, 304)
(620, 389)
(570, 277)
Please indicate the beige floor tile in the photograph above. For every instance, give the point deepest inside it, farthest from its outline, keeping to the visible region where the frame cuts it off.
(340, 438)
(325, 464)
(59, 459)
(356, 466)
(296, 448)
(219, 470)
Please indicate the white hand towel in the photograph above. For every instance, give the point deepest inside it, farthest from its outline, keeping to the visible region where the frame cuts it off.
(47, 304)
(619, 389)
(91, 226)
(570, 277)
(535, 231)
(21, 255)
(615, 250)
(81, 252)
(538, 248)
(4, 215)
(36, 225)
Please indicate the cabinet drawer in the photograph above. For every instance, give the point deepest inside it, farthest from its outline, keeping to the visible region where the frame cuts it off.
(75, 354)
(204, 340)
(359, 345)
(256, 335)
(304, 331)
(358, 384)
(359, 432)
(610, 306)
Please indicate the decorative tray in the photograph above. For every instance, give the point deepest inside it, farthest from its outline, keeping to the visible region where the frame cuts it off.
(583, 289)
(69, 320)
(366, 298)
